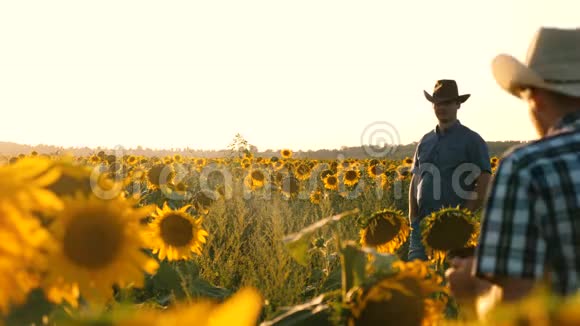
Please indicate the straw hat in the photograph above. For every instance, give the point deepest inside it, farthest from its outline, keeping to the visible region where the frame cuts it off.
(552, 63)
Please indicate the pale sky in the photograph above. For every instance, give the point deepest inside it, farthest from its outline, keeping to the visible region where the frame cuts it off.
(284, 74)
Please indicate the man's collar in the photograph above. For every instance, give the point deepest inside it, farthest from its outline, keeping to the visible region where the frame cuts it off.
(570, 121)
(454, 126)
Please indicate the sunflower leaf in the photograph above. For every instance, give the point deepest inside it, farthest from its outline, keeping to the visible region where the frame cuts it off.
(299, 242)
(313, 312)
(354, 262)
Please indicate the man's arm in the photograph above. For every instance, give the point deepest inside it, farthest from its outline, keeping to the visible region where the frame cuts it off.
(479, 155)
(506, 270)
(513, 289)
(479, 296)
(413, 208)
(480, 191)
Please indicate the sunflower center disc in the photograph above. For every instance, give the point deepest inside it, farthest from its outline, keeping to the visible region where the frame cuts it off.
(93, 241)
(176, 230)
(67, 185)
(258, 176)
(450, 233)
(382, 232)
(350, 175)
(382, 303)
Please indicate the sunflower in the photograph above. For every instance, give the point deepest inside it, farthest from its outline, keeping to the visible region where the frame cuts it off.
(246, 163)
(315, 197)
(331, 182)
(404, 298)
(407, 160)
(22, 249)
(243, 308)
(77, 178)
(138, 175)
(384, 182)
(94, 159)
(375, 170)
(344, 164)
(132, 160)
(566, 313)
(286, 153)
(334, 166)
(24, 185)
(404, 171)
(351, 177)
(303, 171)
(99, 245)
(160, 175)
(386, 230)
(255, 179)
(278, 165)
(178, 191)
(177, 158)
(200, 161)
(448, 229)
(325, 173)
(174, 234)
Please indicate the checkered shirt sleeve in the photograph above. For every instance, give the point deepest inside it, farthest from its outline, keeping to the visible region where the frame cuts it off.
(510, 242)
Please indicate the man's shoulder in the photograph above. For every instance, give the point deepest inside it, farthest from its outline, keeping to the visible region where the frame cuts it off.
(428, 136)
(466, 131)
(546, 150)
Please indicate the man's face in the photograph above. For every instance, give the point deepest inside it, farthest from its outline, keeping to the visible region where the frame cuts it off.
(535, 101)
(537, 119)
(446, 111)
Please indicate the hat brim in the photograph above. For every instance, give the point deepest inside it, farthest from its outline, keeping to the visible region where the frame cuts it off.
(460, 98)
(513, 76)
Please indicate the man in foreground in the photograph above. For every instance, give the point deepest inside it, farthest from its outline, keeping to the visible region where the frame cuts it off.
(531, 225)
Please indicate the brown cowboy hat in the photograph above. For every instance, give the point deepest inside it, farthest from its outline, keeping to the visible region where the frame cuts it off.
(446, 90)
(552, 63)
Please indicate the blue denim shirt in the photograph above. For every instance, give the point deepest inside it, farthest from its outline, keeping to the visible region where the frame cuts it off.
(447, 165)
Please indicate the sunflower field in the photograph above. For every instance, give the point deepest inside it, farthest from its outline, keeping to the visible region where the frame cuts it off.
(240, 240)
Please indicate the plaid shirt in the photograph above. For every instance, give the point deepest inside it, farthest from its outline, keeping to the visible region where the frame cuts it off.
(531, 223)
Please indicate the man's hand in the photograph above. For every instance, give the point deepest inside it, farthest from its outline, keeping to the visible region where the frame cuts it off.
(463, 285)
(480, 190)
